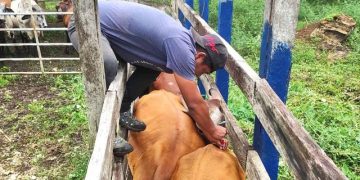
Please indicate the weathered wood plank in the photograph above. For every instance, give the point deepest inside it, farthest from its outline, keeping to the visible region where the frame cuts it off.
(118, 173)
(238, 138)
(118, 84)
(120, 166)
(91, 61)
(121, 170)
(304, 157)
(102, 157)
(100, 165)
(255, 169)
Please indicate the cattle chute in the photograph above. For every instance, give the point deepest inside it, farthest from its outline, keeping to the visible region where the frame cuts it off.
(304, 157)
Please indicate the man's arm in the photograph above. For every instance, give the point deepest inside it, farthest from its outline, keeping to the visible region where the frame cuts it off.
(199, 110)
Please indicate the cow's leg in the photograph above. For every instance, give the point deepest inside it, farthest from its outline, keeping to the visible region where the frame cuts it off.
(33, 49)
(2, 40)
(67, 49)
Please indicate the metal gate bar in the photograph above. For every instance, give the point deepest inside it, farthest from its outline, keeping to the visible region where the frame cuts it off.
(37, 43)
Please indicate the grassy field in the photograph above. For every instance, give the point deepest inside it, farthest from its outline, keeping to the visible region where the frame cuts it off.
(43, 118)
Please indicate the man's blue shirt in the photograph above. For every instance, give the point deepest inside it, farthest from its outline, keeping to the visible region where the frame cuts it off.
(148, 37)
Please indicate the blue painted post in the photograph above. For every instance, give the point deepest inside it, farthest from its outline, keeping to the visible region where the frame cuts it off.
(204, 9)
(182, 19)
(224, 28)
(204, 13)
(275, 65)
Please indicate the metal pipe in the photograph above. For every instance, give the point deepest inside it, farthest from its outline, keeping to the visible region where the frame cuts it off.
(44, 59)
(30, 29)
(24, 73)
(34, 44)
(38, 13)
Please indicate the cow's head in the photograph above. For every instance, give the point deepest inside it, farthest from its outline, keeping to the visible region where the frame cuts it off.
(215, 113)
(63, 6)
(214, 104)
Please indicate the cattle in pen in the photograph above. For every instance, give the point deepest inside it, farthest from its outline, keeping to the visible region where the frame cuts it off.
(24, 19)
(65, 6)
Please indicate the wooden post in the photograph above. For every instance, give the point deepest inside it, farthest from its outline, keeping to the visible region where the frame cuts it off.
(224, 28)
(92, 65)
(204, 9)
(280, 19)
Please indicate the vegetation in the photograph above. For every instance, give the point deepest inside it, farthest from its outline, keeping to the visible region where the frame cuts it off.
(49, 132)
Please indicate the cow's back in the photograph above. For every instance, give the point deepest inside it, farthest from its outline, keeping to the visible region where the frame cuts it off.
(170, 133)
(209, 163)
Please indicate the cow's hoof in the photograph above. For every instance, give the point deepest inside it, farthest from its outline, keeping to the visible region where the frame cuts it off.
(121, 147)
(129, 122)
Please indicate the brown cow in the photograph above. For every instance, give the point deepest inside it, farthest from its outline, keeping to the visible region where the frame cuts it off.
(6, 3)
(209, 163)
(65, 6)
(170, 134)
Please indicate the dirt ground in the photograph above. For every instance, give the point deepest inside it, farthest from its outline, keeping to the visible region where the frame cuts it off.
(14, 146)
(37, 140)
(330, 35)
(30, 144)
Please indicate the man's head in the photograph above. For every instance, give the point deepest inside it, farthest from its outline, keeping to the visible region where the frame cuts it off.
(211, 53)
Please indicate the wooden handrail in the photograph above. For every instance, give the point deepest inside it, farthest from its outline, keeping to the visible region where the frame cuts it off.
(101, 162)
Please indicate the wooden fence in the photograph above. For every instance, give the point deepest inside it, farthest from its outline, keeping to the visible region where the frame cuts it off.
(304, 157)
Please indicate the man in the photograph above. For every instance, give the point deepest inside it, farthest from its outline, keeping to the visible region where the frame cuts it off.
(154, 42)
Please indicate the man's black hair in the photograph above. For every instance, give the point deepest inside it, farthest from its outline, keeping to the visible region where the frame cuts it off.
(207, 58)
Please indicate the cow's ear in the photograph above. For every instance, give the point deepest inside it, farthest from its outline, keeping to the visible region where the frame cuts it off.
(213, 103)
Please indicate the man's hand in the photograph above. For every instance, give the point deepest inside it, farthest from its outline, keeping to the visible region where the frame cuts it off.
(217, 137)
(199, 111)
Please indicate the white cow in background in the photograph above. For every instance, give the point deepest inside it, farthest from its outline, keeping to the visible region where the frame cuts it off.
(25, 21)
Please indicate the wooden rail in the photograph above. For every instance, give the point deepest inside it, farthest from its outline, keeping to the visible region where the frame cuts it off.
(101, 162)
(304, 157)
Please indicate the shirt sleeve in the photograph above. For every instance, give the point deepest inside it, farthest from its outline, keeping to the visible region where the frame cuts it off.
(180, 56)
